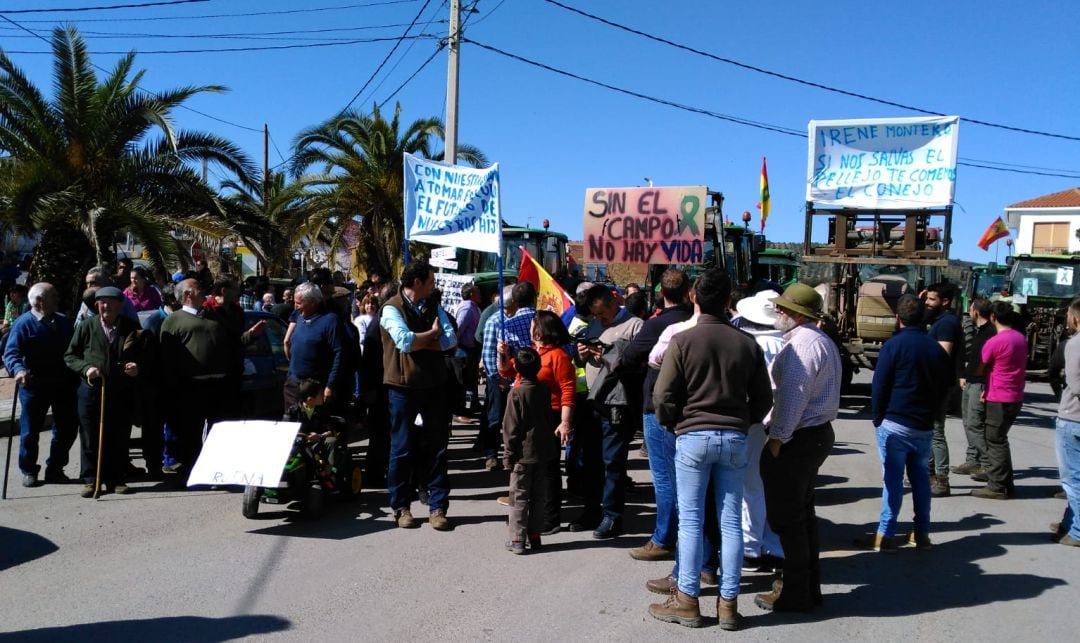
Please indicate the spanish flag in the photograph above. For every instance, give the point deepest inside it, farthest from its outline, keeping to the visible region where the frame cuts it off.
(996, 231)
(764, 194)
(549, 294)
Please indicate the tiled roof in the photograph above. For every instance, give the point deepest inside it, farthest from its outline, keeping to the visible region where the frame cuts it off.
(1065, 199)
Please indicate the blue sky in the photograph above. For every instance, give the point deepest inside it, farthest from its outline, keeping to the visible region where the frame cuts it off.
(1003, 62)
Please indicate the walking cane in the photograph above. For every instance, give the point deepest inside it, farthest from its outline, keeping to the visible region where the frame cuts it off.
(100, 440)
(11, 438)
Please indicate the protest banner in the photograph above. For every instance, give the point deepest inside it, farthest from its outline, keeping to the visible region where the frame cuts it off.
(451, 205)
(450, 286)
(251, 452)
(645, 225)
(886, 163)
(549, 294)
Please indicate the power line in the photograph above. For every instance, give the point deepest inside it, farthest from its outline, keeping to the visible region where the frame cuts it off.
(237, 35)
(405, 54)
(779, 129)
(211, 50)
(801, 81)
(414, 75)
(364, 5)
(102, 69)
(392, 50)
(274, 143)
(490, 13)
(102, 8)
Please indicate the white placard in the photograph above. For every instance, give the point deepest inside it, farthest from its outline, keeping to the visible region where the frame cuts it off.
(452, 205)
(443, 253)
(252, 452)
(886, 163)
(1029, 286)
(449, 264)
(450, 286)
(1065, 276)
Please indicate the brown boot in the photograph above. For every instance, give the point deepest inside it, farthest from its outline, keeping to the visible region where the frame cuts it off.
(650, 551)
(664, 585)
(939, 487)
(405, 519)
(877, 542)
(678, 608)
(727, 610)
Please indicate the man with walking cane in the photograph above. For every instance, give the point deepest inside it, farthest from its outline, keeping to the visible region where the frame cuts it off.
(107, 352)
(34, 356)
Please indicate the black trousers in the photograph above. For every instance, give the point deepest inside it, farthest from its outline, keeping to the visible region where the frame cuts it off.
(789, 501)
(189, 419)
(117, 430)
(999, 419)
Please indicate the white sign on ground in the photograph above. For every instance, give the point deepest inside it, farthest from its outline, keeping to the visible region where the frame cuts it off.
(886, 163)
(252, 452)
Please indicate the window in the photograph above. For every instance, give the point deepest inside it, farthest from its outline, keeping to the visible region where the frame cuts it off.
(1050, 239)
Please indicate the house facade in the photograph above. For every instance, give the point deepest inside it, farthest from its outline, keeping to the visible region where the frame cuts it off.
(1047, 224)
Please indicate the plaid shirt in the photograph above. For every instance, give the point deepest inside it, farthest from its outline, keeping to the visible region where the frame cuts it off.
(806, 374)
(247, 301)
(518, 334)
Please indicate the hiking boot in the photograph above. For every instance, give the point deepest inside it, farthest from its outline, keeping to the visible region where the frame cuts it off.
(979, 475)
(775, 601)
(120, 489)
(939, 486)
(965, 469)
(990, 494)
(651, 551)
(87, 491)
(678, 608)
(608, 528)
(405, 519)
(515, 547)
(664, 585)
(921, 541)
(491, 464)
(1069, 540)
(709, 578)
(29, 480)
(727, 610)
(56, 477)
(438, 521)
(877, 542)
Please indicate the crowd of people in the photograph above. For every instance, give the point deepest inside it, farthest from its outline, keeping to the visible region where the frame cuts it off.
(734, 393)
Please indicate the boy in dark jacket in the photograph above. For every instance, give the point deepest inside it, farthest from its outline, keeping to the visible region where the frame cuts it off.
(525, 452)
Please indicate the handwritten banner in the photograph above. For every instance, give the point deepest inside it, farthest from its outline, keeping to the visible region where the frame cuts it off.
(252, 452)
(888, 163)
(450, 286)
(450, 205)
(645, 225)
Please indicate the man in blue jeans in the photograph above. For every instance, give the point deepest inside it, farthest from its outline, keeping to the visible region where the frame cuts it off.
(912, 371)
(416, 331)
(712, 386)
(1067, 532)
(674, 288)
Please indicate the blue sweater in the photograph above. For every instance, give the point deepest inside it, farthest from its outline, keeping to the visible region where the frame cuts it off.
(317, 350)
(912, 373)
(38, 348)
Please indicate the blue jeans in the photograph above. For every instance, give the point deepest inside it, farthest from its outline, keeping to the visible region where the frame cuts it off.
(717, 457)
(491, 426)
(1068, 453)
(418, 446)
(661, 446)
(903, 448)
(35, 403)
(616, 432)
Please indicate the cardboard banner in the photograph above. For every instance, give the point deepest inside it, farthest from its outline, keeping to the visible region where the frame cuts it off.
(450, 286)
(450, 205)
(645, 225)
(252, 452)
(886, 163)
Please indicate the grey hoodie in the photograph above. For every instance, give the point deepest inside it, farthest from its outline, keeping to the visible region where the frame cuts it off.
(1069, 408)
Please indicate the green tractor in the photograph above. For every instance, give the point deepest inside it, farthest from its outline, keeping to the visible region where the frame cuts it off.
(548, 248)
(1042, 286)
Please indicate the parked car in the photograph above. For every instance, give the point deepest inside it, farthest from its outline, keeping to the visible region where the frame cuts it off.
(265, 368)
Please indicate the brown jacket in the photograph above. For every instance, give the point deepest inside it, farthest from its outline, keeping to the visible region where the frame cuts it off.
(419, 369)
(527, 426)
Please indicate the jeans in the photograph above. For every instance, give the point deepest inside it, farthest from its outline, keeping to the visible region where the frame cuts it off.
(975, 423)
(1068, 453)
(903, 448)
(939, 460)
(789, 498)
(616, 432)
(999, 419)
(35, 402)
(716, 458)
(494, 407)
(661, 446)
(424, 446)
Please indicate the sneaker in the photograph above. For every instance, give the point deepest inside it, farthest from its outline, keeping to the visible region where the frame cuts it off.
(515, 547)
(175, 467)
(56, 476)
(551, 530)
(1069, 540)
(438, 520)
(87, 491)
(921, 541)
(939, 487)
(503, 500)
(877, 542)
(652, 551)
(608, 528)
(990, 494)
(29, 480)
(405, 519)
(663, 586)
(678, 608)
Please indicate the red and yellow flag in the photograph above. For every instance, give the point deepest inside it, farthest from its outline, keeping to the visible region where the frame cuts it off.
(996, 231)
(549, 294)
(764, 194)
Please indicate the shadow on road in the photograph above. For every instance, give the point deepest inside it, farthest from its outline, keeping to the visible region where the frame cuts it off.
(22, 547)
(160, 630)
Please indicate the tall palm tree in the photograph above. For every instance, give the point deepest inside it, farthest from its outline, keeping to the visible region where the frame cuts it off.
(361, 158)
(100, 159)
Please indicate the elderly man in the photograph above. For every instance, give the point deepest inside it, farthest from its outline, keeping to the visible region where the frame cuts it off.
(106, 353)
(195, 359)
(317, 347)
(806, 375)
(96, 278)
(415, 332)
(34, 355)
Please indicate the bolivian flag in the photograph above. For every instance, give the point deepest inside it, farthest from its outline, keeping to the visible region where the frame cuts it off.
(764, 194)
(549, 294)
(996, 231)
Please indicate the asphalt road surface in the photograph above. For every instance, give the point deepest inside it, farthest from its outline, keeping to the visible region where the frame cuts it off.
(186, 566)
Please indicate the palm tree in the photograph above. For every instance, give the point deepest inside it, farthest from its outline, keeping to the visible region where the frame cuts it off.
(361, 158)
(100, 159)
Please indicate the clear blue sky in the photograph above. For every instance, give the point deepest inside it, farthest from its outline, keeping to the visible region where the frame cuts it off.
(992, 60)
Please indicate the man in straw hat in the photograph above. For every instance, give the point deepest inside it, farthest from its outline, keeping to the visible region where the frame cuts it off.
(806, 374)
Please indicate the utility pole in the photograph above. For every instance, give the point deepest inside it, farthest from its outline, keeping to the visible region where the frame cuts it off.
(266, 160)
(452, 61)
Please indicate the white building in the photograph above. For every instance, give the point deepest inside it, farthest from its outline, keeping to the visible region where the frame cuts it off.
(1047, 224)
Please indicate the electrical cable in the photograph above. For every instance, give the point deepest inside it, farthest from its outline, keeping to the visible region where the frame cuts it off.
(144, 5)
(364, 5)
(252, 35)
(801, 81)
(392, 50)
(312, 45)
(405, 54)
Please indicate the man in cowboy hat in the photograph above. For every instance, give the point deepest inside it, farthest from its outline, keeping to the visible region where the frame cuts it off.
(806, 375)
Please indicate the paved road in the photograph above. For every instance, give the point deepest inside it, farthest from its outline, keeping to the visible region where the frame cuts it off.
(178, 566)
